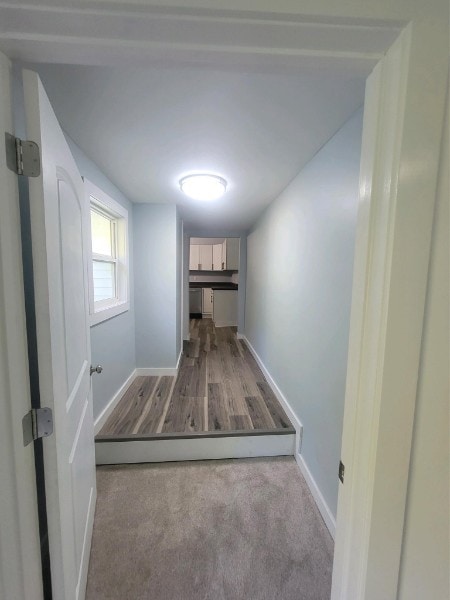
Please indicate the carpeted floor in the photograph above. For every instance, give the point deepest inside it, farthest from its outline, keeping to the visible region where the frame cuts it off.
(244, 529)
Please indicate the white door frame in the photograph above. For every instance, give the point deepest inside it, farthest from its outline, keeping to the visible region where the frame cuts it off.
(20, 563)
(399, 161)
(398, 190)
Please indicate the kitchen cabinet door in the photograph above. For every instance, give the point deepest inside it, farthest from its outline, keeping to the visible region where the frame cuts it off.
(232, 254)
(194, 257)
(208, 301)
(205, 257)
(217, 257)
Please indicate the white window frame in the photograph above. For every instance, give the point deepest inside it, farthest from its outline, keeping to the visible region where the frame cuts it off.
(106, 309)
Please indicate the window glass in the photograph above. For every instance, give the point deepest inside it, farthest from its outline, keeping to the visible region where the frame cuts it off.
(108, 267)
(104, 275)
(102, 235)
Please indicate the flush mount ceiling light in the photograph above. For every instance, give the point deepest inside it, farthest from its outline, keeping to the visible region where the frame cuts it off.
(203, 187)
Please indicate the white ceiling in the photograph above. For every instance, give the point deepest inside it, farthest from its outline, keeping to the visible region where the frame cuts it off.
(208, 86)
(146, 128)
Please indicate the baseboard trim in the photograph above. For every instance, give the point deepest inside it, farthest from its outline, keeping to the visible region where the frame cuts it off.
(278, 393)
(103, 416)
(157, 371)
(111, 453)
(240, 336)
(179, 361)
(225, 323)
(323, 507)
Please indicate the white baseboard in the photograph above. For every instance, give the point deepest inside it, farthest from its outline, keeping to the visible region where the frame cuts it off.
(278, 393)
(225, 323)
(323, 507)
(160, 371)
(110, 453)
(103, 416)
(240, 336)
(156, 371)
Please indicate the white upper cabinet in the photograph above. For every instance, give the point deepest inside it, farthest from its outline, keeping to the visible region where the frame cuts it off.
(194, 257)
(206, 257)
(231, 254)
(217, 257)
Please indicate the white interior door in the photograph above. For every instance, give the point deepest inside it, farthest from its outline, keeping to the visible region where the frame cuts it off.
(58, 215)
(20, 564)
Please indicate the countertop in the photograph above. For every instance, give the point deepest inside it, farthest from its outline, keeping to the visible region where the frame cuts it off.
(210, 284)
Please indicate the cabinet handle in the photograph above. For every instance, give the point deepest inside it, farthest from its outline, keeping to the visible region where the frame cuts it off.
(223, 266)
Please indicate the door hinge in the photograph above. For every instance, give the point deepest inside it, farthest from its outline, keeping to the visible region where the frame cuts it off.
(37, 423)
(22, 156)
(341, 471)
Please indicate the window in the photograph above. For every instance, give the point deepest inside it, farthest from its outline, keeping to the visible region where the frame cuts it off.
(109, 289)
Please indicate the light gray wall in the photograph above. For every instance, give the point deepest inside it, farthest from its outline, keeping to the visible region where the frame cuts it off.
(157, 307)
(112, 341)
(200, 233)
(299, 280)
(425, 565)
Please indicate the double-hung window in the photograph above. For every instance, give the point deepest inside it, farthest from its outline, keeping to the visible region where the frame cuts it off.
(109, 278)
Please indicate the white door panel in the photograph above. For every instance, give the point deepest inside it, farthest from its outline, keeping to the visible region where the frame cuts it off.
(20, 563)
(59, 214)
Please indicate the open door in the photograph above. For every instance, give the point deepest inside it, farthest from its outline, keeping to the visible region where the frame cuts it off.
(59, 214)
(20, 560)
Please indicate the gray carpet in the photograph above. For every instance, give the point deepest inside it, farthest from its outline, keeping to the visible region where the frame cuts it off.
(211, 530)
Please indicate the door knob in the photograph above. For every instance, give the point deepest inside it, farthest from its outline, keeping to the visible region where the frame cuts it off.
(98, 369)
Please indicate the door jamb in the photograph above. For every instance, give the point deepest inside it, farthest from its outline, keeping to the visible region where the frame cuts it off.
(389, 286)
(20, 559)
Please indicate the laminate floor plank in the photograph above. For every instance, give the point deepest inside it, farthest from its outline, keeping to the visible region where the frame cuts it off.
(240, 422)
(251, 362)
(185, 416)
(276, 411)
(218, 415)
(219, 388)
(160, 398)
(259, 413)
(130, 407)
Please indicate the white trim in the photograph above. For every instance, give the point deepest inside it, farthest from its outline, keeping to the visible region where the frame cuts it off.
(99, 312)
(402, 127)
(20, 565)
(323, 507)
(225, 323)
(86, 550)
(179, 361)
(108, 409)
(158, 371)
(240, 336)
(108, 312)
(278, 393)
(109, 453)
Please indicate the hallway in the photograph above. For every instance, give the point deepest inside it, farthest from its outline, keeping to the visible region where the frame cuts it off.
(220, 390)
(244, 529)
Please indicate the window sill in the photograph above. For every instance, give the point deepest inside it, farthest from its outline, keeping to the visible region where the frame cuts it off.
(108, 313)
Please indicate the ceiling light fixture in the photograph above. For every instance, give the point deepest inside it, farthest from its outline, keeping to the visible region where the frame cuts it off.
(203, 187)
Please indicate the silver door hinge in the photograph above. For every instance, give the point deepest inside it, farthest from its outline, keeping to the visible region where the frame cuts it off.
(22, 156)
(37, 423)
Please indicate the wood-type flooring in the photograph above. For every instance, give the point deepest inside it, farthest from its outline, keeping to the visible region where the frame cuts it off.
(219, 391)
